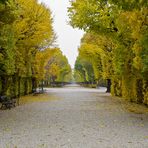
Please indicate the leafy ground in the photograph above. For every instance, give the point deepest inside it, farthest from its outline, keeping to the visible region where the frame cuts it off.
(36, 98)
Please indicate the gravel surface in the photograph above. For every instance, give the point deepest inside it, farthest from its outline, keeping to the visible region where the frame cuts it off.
(79, 118)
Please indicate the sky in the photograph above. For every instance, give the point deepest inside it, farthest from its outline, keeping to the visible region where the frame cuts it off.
(68, 38)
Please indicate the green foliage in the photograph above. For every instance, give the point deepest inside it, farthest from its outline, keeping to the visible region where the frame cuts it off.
(80, 70)
(7, 41)
(7, 60)
(144, 56)
(115, 43)
(96, 50)
(26, 34)
(57, 68)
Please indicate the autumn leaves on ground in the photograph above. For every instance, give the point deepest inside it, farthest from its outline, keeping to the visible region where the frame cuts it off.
(113, 53)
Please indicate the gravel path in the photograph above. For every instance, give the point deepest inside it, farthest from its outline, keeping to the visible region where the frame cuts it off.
(78, 118)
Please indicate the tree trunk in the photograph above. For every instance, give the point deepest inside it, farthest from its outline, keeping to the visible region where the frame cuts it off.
(108, 86)
(19, 89)
(5, 84)
(33, 85)
(140, 95)
(42, 85)
(26, 85)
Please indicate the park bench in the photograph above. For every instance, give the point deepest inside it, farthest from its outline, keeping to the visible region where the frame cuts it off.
(7, 102)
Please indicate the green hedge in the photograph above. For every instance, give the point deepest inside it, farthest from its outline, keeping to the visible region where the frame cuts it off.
(132, 89)
(15, 86)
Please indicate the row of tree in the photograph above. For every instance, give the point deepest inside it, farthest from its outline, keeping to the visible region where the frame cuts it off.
(115, 46)
(27, 56)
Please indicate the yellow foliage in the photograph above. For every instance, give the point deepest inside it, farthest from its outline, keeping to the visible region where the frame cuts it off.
(41, 60)
(54, 70)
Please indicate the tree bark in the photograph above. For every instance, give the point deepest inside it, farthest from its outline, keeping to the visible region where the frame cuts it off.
(19, 89)
(108, 86)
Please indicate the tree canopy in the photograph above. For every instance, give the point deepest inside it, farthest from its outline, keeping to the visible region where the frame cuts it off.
(115, 39)
(26, 47)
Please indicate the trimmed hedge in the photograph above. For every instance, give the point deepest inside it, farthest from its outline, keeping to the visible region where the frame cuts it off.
(15, 86)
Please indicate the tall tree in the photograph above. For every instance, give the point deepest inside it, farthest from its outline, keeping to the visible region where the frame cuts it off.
(124, 24)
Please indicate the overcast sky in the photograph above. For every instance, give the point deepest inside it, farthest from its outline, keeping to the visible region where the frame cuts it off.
(68, 38)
